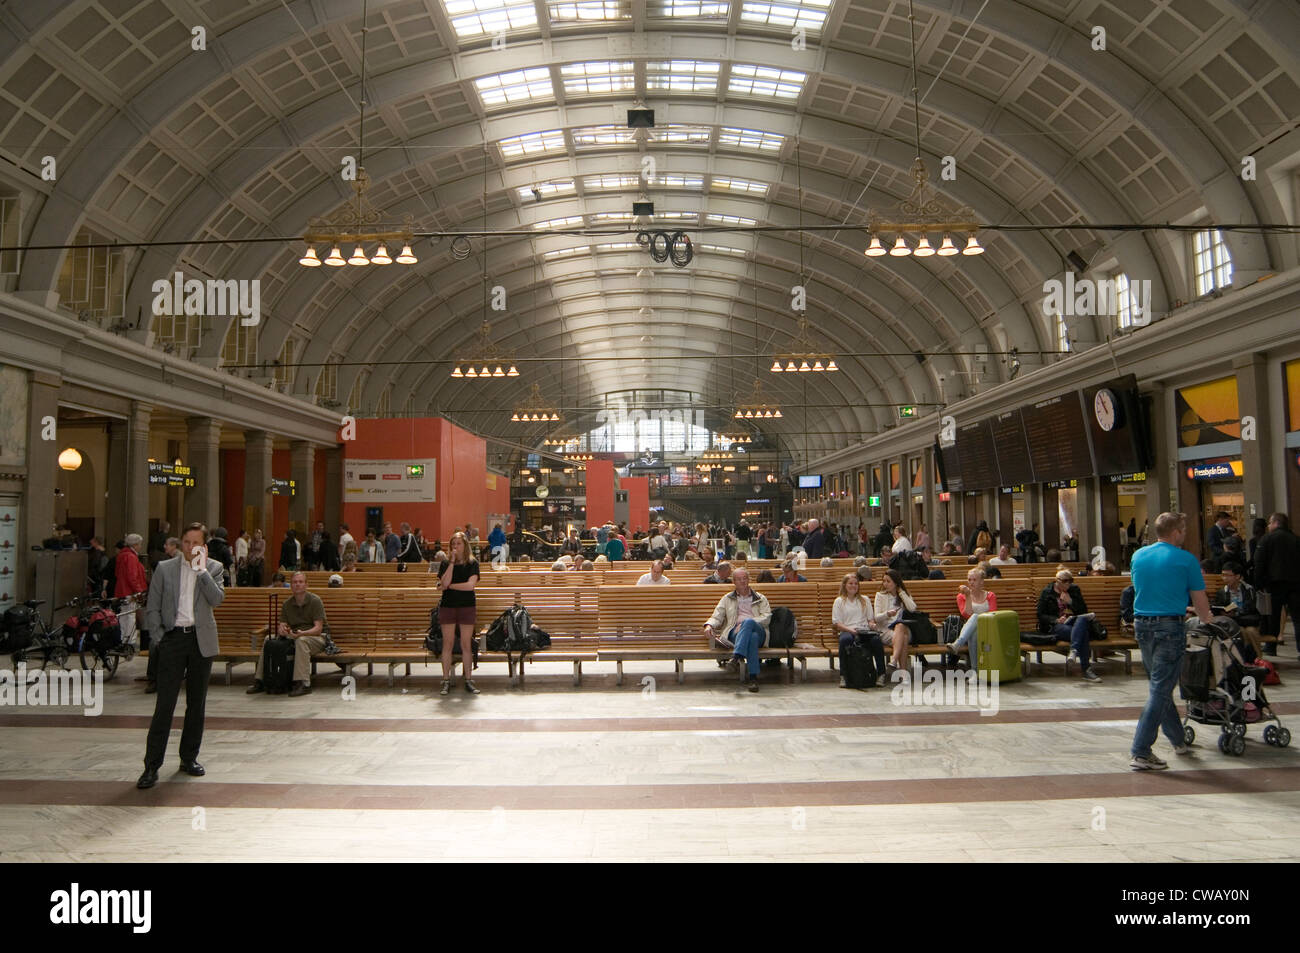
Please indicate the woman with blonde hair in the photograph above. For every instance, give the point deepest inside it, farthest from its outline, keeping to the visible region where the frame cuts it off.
(457, 577)
(853, 619)
(972, 599)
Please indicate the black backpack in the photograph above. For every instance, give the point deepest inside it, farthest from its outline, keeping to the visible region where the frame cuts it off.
(910, 565)
(433, 641)
(952, 628)
(783, 629)
(859, 667)
(18, 628)
(511, 632)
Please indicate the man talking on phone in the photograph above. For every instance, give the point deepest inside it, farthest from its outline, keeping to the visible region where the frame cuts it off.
(182, 595)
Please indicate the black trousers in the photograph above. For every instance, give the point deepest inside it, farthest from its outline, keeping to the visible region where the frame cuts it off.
(1283, 594)
(178, 661)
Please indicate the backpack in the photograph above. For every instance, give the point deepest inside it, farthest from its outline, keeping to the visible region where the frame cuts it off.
(433, 641)
(783, 629)
(952, 629)
(910, 565)
(511, 632)
(983, 540)
(18, 628)
(859, 667)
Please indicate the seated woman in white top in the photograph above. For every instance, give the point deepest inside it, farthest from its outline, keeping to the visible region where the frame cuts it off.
(853, 619)
(972, 599)
(892, 601)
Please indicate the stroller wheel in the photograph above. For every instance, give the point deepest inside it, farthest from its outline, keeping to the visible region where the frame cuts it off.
(1223, 742)
(1237, 745)
(1270, 735)
(1239, 731)
(1189, 734)
(1283, 737)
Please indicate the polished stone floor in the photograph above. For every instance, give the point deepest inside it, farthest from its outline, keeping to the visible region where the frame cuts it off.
(646, 771)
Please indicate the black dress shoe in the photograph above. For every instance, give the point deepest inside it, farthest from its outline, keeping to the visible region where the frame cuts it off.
(151, 688)
(192, 768)
(256, 687)
(148, 779)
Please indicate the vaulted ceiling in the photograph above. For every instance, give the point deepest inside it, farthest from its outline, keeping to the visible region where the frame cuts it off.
(158, 142)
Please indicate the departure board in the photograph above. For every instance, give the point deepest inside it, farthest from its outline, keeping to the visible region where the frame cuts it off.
(1014, 464)
(1114, 416)
(979, 460)
(949, 467)
(1057, 435)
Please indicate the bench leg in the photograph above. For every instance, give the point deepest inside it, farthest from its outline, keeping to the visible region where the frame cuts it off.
(391, 666)
(803, 670)
(229, 668)
(681, 671)
(370, 669)
(620, 672)
(577, 674)
(408, 669)
(1025, 669)
(1128, 661)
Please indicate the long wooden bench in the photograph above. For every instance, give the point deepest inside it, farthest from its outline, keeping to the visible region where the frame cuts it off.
(655, 623)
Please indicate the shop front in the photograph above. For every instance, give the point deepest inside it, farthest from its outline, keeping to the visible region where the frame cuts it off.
(1211, 472)
(1291, 386)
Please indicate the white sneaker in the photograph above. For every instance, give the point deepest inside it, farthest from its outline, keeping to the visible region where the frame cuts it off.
(1150, 763)
(843, 684)
(1072, 657)
(1183, 749)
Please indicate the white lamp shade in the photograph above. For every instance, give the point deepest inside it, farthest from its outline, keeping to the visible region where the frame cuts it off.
(70, 459)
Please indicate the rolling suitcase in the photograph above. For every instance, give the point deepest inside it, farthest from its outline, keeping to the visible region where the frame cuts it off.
(859, 669)
(997, 636)
(277, 665)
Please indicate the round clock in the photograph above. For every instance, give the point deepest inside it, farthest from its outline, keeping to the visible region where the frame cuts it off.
(1106, 407)
(543, 491)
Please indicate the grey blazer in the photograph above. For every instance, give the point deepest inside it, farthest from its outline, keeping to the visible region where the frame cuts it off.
(164, 591)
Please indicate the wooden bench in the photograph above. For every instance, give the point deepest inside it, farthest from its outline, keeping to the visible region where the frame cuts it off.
(662, 623)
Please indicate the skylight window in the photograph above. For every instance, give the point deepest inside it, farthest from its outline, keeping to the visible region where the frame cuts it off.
(532, 143)
(809, 14)
(676, 216)
(590, 79)
(610, 218)
(566, 252)
(569, 221)
(683, 76)
(722, 249)
(682, 9)
(603, 136)
(722, 183)
(515, 86)
(766, 81)
(546, 190)
(471, 18)
(716, 219)
(585, 11)
(617, 246)
(677, 182)
(610, 180)
(751, 139)
(681, 134)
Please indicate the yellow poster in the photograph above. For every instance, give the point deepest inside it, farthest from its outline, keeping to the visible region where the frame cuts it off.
(1292, 371)
(1208, 413)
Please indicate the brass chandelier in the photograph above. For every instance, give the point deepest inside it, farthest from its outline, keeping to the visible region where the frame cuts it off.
(487, 360)
(803, 355)
(755, 405)
(359, 224)
(535, 409)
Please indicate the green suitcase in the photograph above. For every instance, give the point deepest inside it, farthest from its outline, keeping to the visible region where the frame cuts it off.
(997, 638)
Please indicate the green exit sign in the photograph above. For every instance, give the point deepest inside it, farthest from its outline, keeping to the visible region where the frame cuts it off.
(873, 501)
(906, 411)
(415, 469)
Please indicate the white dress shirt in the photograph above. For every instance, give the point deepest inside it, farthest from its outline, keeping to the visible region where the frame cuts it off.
(185, 602)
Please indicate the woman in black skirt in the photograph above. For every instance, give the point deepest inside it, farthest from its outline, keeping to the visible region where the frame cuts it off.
(457, 578)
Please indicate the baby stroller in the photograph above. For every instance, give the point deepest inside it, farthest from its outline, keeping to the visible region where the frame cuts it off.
(1221, 689)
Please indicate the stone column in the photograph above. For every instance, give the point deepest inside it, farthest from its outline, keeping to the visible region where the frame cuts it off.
(302, 469)
(257, 480)
(930, 506)
(42, 457)
(118, 453)
(331, 507)
(1162, 478)
(1262, 495)
(203, 501)
(137, 470)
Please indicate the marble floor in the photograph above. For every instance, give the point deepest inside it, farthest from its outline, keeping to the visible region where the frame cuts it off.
(647, 771)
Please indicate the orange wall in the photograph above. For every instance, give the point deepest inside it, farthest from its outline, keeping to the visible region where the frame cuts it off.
(498, 501)
(600, 492)
(638, 503)
(461, 466)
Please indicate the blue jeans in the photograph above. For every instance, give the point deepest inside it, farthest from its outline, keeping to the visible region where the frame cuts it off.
(1077, 634)
(967, 633)
(748, 638)
(1163, 642)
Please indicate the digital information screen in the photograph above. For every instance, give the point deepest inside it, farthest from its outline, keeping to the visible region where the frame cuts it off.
(170, 474)
(1014, 464)
(950, 476)
(1058, 438)
(810, 482)
(979, 460)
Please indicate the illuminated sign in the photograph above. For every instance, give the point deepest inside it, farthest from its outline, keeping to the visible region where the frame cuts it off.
(1127, 478)
(906, 411)
(170, 474)
(1062, 484)
(533, 503)
(1214, 471)
(1017, 488)
(415, 469)
(753, 501)
(873, 500)
(945, 497)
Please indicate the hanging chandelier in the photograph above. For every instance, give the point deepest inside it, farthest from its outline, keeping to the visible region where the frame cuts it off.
(803, 355)
(924, 212)
(487, 360)
(578, 457)
(359, 224)
(755, 405)
(717, 455)
(535, 409)
(737, 438)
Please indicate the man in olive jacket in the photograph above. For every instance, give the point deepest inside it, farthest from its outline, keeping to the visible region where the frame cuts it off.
(741, 617)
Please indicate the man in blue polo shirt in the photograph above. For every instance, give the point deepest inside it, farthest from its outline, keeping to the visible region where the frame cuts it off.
(1166, 579)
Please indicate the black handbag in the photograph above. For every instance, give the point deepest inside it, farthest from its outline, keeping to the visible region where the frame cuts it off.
(922, 629)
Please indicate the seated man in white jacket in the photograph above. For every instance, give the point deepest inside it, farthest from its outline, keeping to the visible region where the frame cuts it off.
(740, 623)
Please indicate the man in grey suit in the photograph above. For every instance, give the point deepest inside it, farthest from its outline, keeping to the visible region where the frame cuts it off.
(182, 595)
